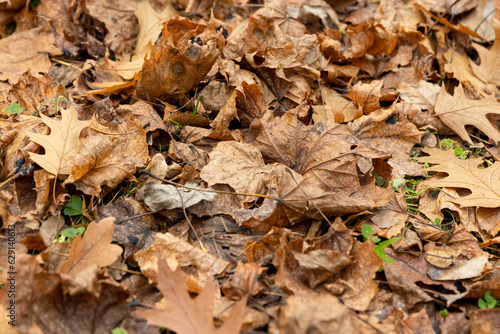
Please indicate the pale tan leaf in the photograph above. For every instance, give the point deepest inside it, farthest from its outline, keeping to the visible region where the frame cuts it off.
(489, 69)
(167, 197)
(94, 249)
(483, 183)
(61, 144)
(183, 314)
(457, 111)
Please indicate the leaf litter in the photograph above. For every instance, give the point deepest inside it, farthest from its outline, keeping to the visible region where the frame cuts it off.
(234, 156)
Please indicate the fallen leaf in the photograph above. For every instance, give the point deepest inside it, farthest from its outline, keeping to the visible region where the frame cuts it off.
(202, 266)
(239, 165)
(457, 111)
(177, 62)
(324, 314)
(62, 144)
(167, 197)
(94, 249)
(469, 174)
(489, 69)
(366, 96)
(183, 314)
(25, 50)
(99, 302)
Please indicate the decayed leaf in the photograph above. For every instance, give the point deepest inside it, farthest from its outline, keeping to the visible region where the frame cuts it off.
(167, 197)
(422, 95)
(63, 142)
(366, 96)
(25, 50)
(180, 253)
(183, 314)
(45, 303)
(482, 182)
(108, 154)
(240, 165)
(489, 69)
(94, 249)
(324, 314)
(180, 59)
(457, 111)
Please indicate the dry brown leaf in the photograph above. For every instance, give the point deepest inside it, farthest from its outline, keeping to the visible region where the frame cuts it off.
(62, 144)
(48, 302)
(160, 197)
(457, 111)
(469, 174)
(241, 166)
(366, 96)
(180, 59)
(489, 69)
(422, 95)
(109, 153)
(180, 253)
(94, 249)
(26, 50)
(324, 314)
(183, 314)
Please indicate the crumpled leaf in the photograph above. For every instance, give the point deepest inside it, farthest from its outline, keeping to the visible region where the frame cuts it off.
(25, 50)
(240, 165)
(94, 249)
(467, 269)
(183, 314)
(62, 144)
(167, 197)
(202, 266)
(457, 111)
(111, 152)
(177, 62)
(469, 174)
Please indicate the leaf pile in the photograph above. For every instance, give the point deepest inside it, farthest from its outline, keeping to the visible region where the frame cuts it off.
(267, 166)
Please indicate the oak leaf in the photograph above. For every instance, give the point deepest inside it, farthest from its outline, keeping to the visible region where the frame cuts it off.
(61, 144)
(183, 314)
(482, 182)
(489, 70)
(457, 111)
(94, 248)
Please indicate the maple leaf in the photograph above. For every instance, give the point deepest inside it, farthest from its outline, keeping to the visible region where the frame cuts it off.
(94, 248)
(484, 183)
(186, 315)
(457, 111)
(61, 144)
(489, 70)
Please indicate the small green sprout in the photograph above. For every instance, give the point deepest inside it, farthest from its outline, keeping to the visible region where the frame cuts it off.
(367, 232)
(14, 108)
(488, 301)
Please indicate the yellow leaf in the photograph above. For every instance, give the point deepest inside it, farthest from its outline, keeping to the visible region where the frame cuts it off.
(62, 142)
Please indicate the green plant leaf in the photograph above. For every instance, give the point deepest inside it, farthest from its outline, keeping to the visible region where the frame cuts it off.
(74, 207)
(490, 301)
(14, 108)
(72, 232)
(444, 312)
(481, 303)
(119, 331)
(367, 231)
